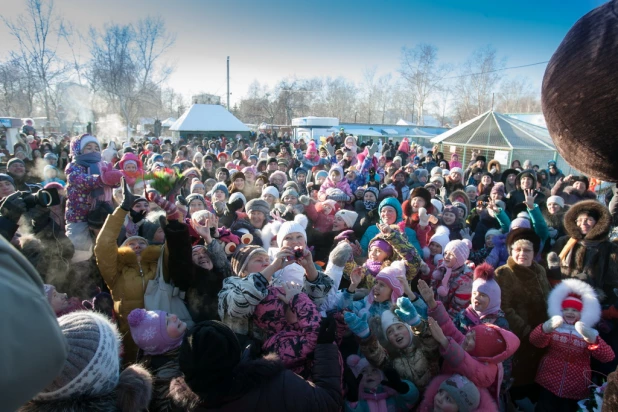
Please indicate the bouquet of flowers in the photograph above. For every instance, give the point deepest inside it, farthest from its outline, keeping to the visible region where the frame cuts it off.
(594, 402)
(164, 180)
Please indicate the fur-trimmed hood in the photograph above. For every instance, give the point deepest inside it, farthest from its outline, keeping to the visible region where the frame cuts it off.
(495, 163)
(133, 393)
(460, 193)
(126, 255)
(591, 312)
(599, 232)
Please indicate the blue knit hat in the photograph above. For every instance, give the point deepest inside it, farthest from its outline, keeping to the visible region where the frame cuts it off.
(220, 186)
(394, 203)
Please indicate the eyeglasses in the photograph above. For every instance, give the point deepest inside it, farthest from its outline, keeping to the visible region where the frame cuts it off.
(589, 220)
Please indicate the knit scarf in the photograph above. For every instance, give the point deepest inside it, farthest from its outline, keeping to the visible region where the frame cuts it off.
(369, 205)
(373, 266)
(477, 317)
(91, 162)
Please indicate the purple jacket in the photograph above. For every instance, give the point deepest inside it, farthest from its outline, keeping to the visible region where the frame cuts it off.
(79, 186)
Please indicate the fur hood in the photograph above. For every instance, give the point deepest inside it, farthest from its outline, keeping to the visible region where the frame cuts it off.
(248, 376)
(126, 256)
(460, 193)
(133, 393)
(599, 232)
(493, 163)
(591, 313)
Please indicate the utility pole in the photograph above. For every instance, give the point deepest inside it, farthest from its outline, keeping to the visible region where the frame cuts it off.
(228, 83)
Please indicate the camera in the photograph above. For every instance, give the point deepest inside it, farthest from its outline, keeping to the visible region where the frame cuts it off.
(298, 253)
(46, 198)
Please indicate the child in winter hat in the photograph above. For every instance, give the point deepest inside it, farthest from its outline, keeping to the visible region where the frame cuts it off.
(344, 219)
(156, 332)
(60, 302)
(564, 373)
(90, 378)
(433, 254)
(452, 280)
(455, 393)
(378, 390)
(198, 187)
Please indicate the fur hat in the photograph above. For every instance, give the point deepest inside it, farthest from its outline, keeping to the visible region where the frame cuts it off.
(580, 72)
(523, 234)
(463, 392)
(591, 312)
(149, 331)
(389, 276)
(92, 365)
(299, 224)
(348, 216)
(423, 194)
(485, 282)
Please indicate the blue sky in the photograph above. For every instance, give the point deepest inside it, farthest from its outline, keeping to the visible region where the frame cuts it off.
(270, 40)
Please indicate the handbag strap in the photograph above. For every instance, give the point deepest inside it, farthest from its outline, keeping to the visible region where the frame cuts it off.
(160, 277)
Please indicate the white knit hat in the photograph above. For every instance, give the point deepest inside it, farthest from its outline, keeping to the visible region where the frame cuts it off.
(92, 366)
(348, 216)
(236, 196)
(271, 190)
(436, 171)
(297, 225)
(441, 237)
(437, 204)
(556, 199)
(457, 170)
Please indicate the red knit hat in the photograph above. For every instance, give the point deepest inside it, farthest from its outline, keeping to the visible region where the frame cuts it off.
(573, 301)
(489, 341)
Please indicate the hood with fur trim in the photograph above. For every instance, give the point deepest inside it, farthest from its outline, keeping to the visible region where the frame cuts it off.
(460, 193)
(591, 312)
(494, 163)
(600, 231)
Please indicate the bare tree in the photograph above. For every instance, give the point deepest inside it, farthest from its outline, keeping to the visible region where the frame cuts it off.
(420, 68)
(517, 96)
(152, 41)
(38, 35)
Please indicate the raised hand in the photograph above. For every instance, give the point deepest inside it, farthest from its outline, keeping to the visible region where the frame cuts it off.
(427, 294)
(407, 312)
(552, 323)
(590, 335)
(128, 198)
(291, 289)
(355, 279)
(358, 325)
(437, 332)
(530, 197)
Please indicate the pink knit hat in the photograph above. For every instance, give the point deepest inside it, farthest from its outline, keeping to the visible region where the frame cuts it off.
(149, 331)
(389, 275)
(460, 249)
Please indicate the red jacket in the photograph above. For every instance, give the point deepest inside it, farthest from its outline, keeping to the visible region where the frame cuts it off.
(487, 404)
(565, 368)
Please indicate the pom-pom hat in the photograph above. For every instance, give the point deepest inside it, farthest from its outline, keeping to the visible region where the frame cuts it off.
(149, 331)
(485, 282)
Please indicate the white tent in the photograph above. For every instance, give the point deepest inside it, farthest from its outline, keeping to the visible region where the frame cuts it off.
(208, 118)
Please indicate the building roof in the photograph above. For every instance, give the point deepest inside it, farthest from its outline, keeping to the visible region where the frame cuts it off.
(208, 118)
(496, 131)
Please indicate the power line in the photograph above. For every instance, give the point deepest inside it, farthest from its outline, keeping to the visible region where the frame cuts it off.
(497, 70)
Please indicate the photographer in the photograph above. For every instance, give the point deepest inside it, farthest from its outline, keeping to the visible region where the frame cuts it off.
(573, 189)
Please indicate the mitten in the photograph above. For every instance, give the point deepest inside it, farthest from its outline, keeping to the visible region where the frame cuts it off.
(305, 200)
(372, 149)
(590, 335)
(328, 330)
(110, 176)
(330, 149)
(394, 381)
(13, 207)
(423, 217)
(358, 326)
(407, 312)
(553, 260)
(553, 323)
(424, 268)
(340, 254)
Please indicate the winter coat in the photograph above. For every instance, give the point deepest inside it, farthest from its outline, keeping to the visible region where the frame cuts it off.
(125, 277)
(452, 186)
(594, 259)
(238, 298)
(321, 222)
(132, 393)
(292, 342)
(265, 385)
(485, 222)
(412, 221)
(570, 195)
(517, 197)
(459, 286)
(164, 368)
(384, 399)
(499, 253)
(417, 363)
(555, 222)
(484, 372)
(487, 403)
(79, 186)
(201, 286)
(372, 231)
(342, 185)
(565, 369)
(524, 302)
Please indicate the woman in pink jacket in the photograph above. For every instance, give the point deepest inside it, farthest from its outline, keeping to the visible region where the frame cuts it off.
(564, 371)
(478, 355)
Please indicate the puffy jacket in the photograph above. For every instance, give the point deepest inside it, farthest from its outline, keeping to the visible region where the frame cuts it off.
(565, 369)
(125, 277)
(238, 298)
(487, 403)
(485, 372)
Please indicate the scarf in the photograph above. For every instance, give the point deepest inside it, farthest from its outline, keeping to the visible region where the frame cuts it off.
(373, 266)
(567, 252)
(369, 205)
(90, 161)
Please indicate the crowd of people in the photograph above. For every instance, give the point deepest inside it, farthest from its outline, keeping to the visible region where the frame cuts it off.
(305, 276)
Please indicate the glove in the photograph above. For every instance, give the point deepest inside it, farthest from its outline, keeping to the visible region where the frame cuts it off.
(590, 335)
(443, 193)
(553, 260)
(127, 197)
(305, 200)
(341, 254)
(423, 217)
(358, 326)
(13, 207)
(110, 176)
(372, 149)
(394, 381)
(182, 200)
(137, 217)
(553, 323)
(328, 330)
(407, 312)
(330, 149)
